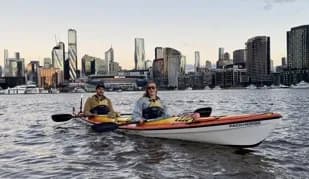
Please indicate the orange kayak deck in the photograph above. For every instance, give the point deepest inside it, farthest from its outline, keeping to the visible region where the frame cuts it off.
(180, 122)
(250, 119)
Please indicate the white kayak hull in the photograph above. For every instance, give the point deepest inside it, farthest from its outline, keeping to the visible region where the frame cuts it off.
(245, 134)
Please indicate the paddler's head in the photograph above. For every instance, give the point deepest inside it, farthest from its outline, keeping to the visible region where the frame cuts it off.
(100, 89)
(151, 90)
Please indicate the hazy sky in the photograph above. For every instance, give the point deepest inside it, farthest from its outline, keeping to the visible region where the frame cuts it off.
(30, 26)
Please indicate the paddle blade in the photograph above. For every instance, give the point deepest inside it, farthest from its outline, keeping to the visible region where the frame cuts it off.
(104, 127)
(204, 112)
(61, 117)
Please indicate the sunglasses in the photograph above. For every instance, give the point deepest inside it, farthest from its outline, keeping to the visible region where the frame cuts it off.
(151, 87)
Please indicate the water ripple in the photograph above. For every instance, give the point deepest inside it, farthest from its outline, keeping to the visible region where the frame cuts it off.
(33, 146)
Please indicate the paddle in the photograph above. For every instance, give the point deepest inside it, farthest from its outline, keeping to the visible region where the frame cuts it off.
(67, 117)
(110, 126)
(62, 117)
(204, 112)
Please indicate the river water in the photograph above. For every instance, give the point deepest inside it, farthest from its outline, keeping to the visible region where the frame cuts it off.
(33, 146)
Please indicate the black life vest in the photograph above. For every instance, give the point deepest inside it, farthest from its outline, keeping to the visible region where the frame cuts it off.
(101, 109)
(154, 110)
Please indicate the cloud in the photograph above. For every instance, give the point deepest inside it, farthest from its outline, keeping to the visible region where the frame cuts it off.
(270, 3)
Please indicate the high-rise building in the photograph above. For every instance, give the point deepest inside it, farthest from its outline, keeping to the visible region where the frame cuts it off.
(239, 57)
(58, 55)
(197, 61)
(183, 63)
(223, 58)
(208, 64)
(49, 77)
(258, 59)
(16, 67)
(17, 55)
(166, 70)
(174, 61)
(109, 60)
(158, 71)
(72, 52)
(47, 62)
(5, 62)
(298, 48)
(32, 71)
(226, 57)
(139, 54)
(93, 65)
(283, 62)
(148, 64)
(6, 56)
(272, 68)
(158, 52)
(221, 53)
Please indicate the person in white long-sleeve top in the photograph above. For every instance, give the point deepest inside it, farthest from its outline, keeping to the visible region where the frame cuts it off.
(149, 106)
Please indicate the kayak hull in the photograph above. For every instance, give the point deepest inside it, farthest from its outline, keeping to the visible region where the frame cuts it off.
(244, 134)
(246, 130)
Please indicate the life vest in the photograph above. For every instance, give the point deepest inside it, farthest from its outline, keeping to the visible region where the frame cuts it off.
(102, 106)
(154, 110)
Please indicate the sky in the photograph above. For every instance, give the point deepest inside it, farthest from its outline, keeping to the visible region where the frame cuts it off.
(32, 27)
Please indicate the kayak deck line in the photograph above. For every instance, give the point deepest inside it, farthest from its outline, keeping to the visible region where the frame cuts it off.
(207, 122)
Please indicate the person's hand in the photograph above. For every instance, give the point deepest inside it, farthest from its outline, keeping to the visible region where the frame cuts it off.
(141, 122)
(195, 116)
(112, 114)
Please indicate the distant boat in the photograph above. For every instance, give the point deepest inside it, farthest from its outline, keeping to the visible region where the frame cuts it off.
(207, 88)
(273, 87)
(283, 86)
(54, 91)
(251, 87)
(301, 85)
(24, 89)
(217, 88)
(189, 88)
(78, 90)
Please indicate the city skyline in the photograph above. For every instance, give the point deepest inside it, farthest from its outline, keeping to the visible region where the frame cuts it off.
(32, 28)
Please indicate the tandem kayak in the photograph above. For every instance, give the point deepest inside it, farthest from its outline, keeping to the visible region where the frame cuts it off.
(246, 130)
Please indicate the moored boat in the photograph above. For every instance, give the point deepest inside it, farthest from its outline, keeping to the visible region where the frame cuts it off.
(245, 130)
(301, 85)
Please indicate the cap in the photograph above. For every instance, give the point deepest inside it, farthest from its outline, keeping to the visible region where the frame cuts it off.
(99, 86)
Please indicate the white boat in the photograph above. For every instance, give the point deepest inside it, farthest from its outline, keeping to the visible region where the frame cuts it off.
(207, 88)
(79, 90)
(32, 89)
(247, 130)
(24, 89)
(217, 88)
(301, 85)
(283, 86)
(273, 87)
(251, 86)
(54, 91)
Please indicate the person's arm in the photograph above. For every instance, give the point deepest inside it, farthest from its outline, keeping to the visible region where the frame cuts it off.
(137, 114)
(165, 111)
(110, 105)
(87, 107)
(112, 113)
